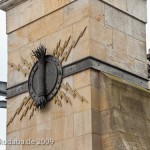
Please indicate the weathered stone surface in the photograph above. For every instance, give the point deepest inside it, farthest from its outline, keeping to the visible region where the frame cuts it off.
(111, 121)
(116, 113)
(135, 8)
(13, 136)
(100, 33)
(123, 141)
(97, 10)
(139, 30)
(109, 97)
(120, 42)
(105, 38)
(118, 20)
(21, 14)
(46, 26)
(75, 12)
(82, 123)
(136, 49)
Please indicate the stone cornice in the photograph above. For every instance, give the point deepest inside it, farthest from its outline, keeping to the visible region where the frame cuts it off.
(8, 4)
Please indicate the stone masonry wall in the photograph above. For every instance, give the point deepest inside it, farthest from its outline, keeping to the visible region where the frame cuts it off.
(112, 35)
(124, 113)
(116, 115)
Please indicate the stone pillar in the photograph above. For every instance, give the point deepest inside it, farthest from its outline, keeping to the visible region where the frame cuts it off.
(107, 105)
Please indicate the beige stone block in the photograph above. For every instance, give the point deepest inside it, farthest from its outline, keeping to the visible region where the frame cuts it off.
(69, 80)
(23, 53)
(104, 80)
(75, 12)
(57, 146)
(148, 127)
(137, 8)
(81, 50)
(29, 11)
(53, 39)
(100, 33)
(78, 27)
(96, 142)
(82, 123)
(22, 14)
(69, 144)
(52, 5)
(82, 79)
(125, 62)
(146, 105)
(97, 10)
(18, 39)
(109, 97)
(136, 49)
(44, 116)
(94, 78)
(134, 124)
(120, 4)
(13, 74)
(13, 105)
(41, 127)
(46, 26)
(95, 98)
(112, 141)
(83, 142)
(124, 141)
(49, 135)
(98, 51)
(37, 10)
(141, 68)
(118, 20)
(111, 121)
(119, 42)
(62, 145)
(139, 30)
(58, 129)
(13, 137)
(48, 125)
(96, 122)
(58, 112)
(131, 101)
(69, 127)
(32, 134)
(77, 104)
(10, 17)
(33, 121)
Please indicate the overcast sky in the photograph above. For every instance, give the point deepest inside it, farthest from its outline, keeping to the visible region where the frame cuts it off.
(3, 73)
(3, 64)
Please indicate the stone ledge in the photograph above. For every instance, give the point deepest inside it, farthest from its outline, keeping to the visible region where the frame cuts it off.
(8, 4)
(3, 86)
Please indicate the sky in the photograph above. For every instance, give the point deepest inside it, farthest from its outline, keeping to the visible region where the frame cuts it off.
(3, 64)
(3, 73)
